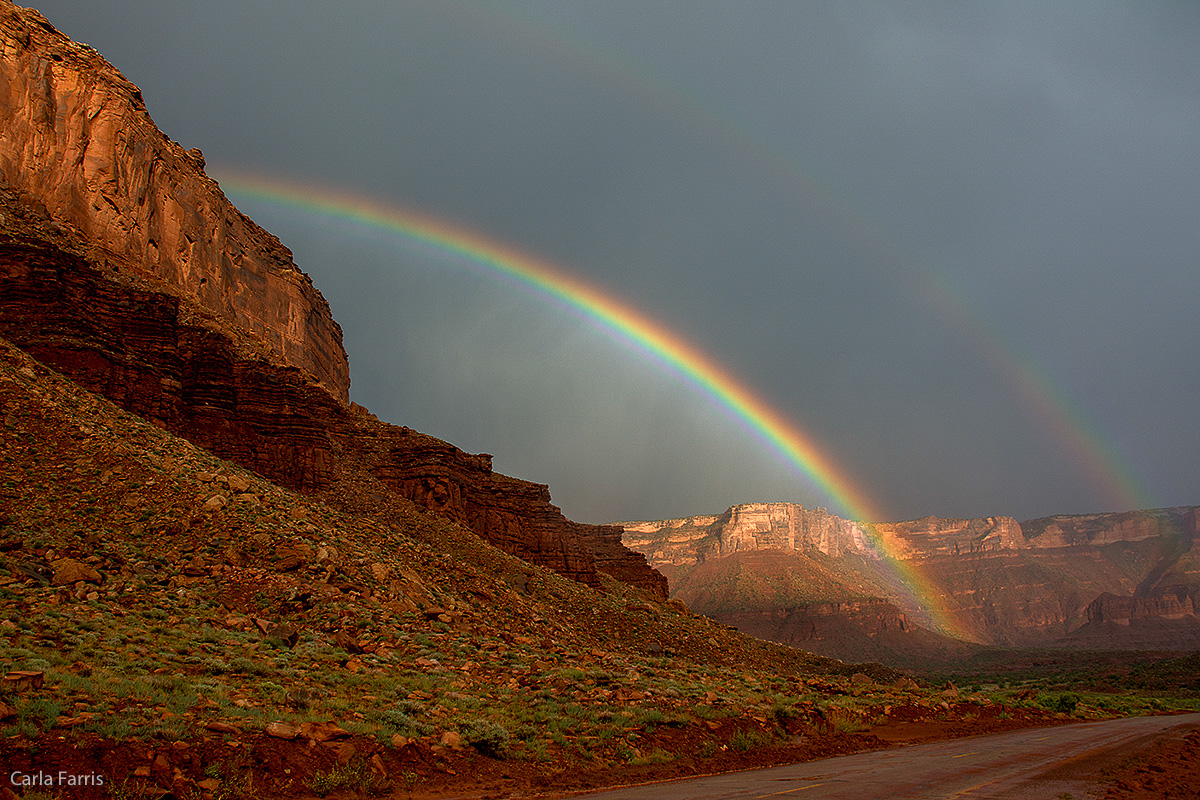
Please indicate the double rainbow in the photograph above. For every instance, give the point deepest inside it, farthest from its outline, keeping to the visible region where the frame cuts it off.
(768, 426)
(1113, 481)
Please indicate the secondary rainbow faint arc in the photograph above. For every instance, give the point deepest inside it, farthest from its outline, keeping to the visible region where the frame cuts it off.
(1097, 458)
(552, 281)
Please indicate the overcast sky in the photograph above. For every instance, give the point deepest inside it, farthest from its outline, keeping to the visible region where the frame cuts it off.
(956, 243)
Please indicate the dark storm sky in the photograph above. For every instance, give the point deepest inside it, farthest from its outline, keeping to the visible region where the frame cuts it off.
(956, 243)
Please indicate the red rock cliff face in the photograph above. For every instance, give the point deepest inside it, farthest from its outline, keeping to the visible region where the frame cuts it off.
(1165, 620)
(76, 139)
(804, 625)
(124, 267)
(788, 526)
(1100, 529)
(1000, 581)
(514, 515)
(134, 346)
(1122, 609)
(931, 537)
(785, 526)
(143, 349)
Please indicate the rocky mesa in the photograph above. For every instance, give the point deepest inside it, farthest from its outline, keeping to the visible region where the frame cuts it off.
(992, 579)
(123, 266)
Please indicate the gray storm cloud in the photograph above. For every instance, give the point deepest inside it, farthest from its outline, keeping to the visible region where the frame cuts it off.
(888, 220)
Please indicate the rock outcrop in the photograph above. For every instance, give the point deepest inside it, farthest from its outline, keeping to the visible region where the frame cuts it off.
(615, 559)
(745, 527)
(135, 347)
(1122, 609)
(933, 537)
(124, 267)
(997, 580)
(76, 140)
(1101, 529)
(154, 354)
(824, 627)
(1165, 620)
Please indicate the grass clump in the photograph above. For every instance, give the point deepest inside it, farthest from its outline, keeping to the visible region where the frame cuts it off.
(37, 714)
(744, 741)
(489, 738)
(356, 776)
(656, 756)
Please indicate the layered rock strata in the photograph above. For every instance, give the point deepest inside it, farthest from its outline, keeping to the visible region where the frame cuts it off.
(1073, 530)
(746, 527)
(788, 526)
(76, 140)
(822, 621)
(135, 347)
(932, 537)
(1166, 620)
(146, 351)
(998, 580)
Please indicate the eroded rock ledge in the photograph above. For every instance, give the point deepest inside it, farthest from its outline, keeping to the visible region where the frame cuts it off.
(143, 350)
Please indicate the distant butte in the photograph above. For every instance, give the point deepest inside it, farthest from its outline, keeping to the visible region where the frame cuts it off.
(785, 572)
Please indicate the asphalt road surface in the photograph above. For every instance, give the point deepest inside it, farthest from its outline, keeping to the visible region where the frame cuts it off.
(1032, 764)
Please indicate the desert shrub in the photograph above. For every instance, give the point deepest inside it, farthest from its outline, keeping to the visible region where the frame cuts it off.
(525, 732)
(577, 711)
(111, 727)
(489, 738)
(648, 717)
(215, 666)
(241, 664)
(394, 717)
(410, 707)
(1065, 703)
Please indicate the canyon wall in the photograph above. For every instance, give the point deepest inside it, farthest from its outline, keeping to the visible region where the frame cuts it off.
(1164, 621)
(745, 527)
(1070, 530)
(788, 526)
(933, 537)
(76, 140)
(999, 581)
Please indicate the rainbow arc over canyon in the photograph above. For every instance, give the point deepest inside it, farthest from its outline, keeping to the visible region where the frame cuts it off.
(1113, 481)
(791, 444)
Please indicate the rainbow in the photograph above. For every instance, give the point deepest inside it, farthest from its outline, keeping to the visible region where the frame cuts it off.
(553, 283)
(620, 321)
(1111, 479)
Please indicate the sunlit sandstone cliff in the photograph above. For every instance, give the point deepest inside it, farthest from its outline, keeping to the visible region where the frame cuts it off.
(124, 267)
(76, 139)
(749, 526)
(998, 580)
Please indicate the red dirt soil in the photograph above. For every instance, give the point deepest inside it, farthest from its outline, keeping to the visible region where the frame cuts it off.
(1168, 769)
(210, 766)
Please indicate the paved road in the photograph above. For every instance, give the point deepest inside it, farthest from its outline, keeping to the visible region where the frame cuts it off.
(1020, 765)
